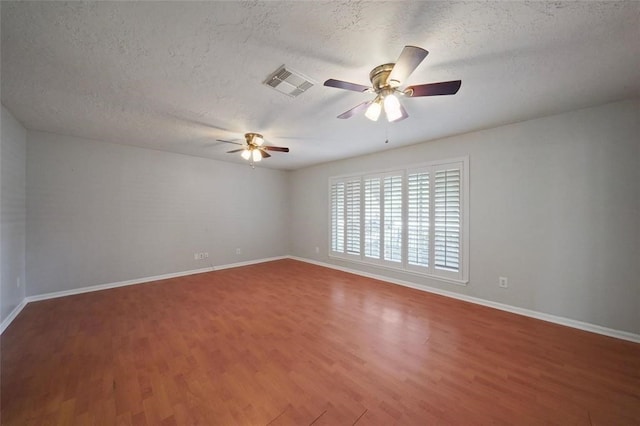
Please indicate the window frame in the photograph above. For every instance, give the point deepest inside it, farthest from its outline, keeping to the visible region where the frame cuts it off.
(461, 277)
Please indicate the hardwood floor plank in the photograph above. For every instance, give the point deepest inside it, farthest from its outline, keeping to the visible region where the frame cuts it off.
(289, 343)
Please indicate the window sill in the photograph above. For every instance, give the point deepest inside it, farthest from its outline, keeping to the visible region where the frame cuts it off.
(462, 282)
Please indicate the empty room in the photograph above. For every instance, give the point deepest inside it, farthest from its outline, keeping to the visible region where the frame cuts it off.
(320, 212)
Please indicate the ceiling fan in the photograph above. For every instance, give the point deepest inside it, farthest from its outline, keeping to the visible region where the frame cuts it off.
(254, 148)
(386, 80)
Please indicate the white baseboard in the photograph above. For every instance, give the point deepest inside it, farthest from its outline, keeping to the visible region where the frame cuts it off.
(503, 307)
(106, 286)
(624, 335)
(12, 316)
(249, 262)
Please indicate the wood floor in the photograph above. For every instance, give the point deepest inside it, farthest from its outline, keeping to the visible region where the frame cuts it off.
(288, 343)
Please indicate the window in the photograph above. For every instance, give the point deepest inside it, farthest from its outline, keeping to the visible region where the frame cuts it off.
(352, 217)
(372, 217)
(418, 221)
(415, 219)
(392, 213)
(345, 217)
(447, 220)
(337, 217)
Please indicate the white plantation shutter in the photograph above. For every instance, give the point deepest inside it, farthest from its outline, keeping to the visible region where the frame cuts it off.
(447, 219)
(352, 217)
(372, 217)
(337, 217)
(414, 219)
(392, 190)
(418, 201)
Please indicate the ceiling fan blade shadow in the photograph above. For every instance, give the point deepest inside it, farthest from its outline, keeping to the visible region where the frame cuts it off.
(235, 150)
(410, 58)
(275, 148)
(298, 138)
(298, 47)
(355, 110)
(194, 122)
(339, 84)
(434, 89)
(235, 143)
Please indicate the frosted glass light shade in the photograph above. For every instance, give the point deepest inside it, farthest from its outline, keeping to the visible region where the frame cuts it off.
(373, 112)
(256, 155)
(392, 107)
(246, 154)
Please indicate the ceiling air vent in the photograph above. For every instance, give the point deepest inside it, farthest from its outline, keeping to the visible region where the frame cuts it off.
(289, 82)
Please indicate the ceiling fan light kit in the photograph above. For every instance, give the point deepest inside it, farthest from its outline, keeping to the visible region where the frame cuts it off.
(392, 107)
(385, 82)
(373, 112)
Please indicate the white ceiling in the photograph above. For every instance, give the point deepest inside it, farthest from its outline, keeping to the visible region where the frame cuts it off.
(176, 76)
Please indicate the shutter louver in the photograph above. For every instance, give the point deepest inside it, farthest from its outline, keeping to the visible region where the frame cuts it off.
(372, 218)
(337, 217)
(352, 206)
(393, 218)
(447, 220)
(418, 219)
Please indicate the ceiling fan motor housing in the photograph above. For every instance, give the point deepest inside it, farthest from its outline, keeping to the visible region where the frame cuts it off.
(250, 137)
(379, 76)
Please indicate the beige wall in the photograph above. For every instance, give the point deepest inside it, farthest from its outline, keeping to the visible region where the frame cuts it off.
(100, 213)
(554, 206)
(12, 213)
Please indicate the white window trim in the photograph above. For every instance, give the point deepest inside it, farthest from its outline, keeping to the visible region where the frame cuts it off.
(403, 267)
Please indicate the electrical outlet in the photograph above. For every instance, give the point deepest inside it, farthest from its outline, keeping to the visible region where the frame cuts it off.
(238, 251)
(206, 254)
(317, 250)
(195, 256)
(503, 282)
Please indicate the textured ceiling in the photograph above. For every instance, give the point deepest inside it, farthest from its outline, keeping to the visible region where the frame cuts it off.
(176, 76)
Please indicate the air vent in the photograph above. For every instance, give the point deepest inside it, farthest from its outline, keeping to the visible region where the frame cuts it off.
(289, 82)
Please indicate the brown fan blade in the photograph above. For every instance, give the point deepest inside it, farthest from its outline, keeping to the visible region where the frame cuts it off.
(339, 84)
(235, 143)
(434, 89)
(264, 153)
(358, 108)
(235, 150)
(408, 61)
(276, 148)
